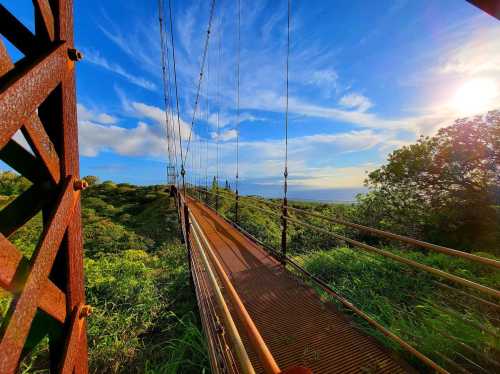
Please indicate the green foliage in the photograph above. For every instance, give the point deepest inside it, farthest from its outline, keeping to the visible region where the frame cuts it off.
(136, 281)
(12, 183)
(91, 180)
(441, 189)
(122, 290)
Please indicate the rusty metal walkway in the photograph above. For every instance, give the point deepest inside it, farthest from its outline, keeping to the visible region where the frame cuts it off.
(299, 328)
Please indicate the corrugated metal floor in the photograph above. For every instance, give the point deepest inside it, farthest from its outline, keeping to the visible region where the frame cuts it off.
(299, 329)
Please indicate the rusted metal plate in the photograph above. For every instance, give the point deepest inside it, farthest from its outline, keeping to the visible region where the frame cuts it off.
(299, 328)
(70, 166)
(23, 162)
(21, 96)
(23, 208)
(70, 355)
(491, 7)
(43, 8)
(5, 61)
(13, 272)
(10, 258)
(43, 147)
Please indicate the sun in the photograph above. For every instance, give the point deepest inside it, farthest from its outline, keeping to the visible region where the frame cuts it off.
(474, 96)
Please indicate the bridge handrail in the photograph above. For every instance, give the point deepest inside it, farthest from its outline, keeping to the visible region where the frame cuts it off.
(429, 269)
(260, 346)
(406, 239)
(241, 353)
(381, 233)
(241, 202)
(415, 264)
(436, 272)
(346, 303)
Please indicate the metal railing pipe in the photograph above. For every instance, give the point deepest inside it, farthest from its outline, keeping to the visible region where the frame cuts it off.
(426, 268)
(378, 326)
(267, 359)
(241, 353)
(419, 243)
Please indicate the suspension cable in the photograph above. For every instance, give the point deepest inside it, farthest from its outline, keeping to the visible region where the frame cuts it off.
(217, 87)
(183, 172)
(163, 48)
(171, 114)
(238, 111)
(207, 119)
(284, 222)
(285, 174)
(202, 68)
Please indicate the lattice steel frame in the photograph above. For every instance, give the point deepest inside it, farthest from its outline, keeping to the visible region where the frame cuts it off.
(37, 96)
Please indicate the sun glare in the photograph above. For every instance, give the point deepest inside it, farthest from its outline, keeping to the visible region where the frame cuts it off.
(474, 97)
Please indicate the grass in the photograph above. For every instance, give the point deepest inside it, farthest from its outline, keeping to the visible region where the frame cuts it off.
(408, 303)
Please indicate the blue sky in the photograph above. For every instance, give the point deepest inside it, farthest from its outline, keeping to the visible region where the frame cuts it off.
(366, 77)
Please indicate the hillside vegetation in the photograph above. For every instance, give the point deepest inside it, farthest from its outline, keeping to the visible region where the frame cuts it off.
(144, 317)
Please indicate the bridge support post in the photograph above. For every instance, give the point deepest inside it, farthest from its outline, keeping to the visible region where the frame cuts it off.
(236, 218)
(284, 226)
(217, 197)
(187, 229)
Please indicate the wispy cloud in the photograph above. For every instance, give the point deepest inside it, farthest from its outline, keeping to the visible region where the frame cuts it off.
(225, 119)
(140, 41)
(225, 135)
(86, 114)
(94, 57)
(356, 101)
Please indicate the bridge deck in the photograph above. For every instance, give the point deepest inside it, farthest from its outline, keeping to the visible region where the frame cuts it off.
(299, 328)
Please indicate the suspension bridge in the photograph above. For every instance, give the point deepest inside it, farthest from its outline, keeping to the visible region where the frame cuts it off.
(261, 310)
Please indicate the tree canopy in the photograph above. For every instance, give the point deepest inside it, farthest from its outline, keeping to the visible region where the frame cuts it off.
(442, 188)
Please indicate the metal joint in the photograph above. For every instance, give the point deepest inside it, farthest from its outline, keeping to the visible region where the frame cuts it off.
(74, 54)
(80, 184)
(85, 311)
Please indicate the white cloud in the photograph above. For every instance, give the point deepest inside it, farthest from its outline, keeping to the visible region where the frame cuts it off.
(324, 77)
(356, 101)
(86, 114)
(224, 119)
(312, 159)
(332, 177)
(225, 135)
(137, 141)
(95, 58)
(158, 115)
(481, 55)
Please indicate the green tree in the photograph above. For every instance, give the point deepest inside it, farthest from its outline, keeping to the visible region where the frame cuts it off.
(441, 188)
(92, 180)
